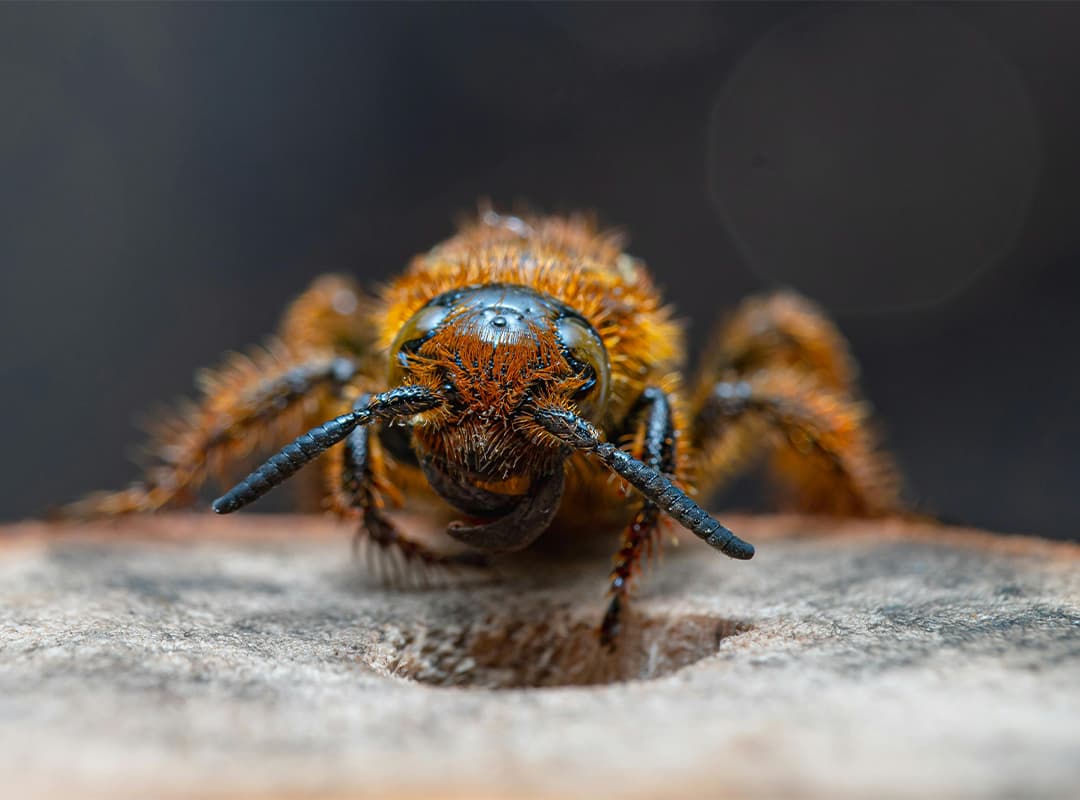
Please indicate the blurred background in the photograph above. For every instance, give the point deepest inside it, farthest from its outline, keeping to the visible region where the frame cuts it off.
(171, 175)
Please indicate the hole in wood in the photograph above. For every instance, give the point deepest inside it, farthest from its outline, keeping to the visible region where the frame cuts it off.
(548, 647)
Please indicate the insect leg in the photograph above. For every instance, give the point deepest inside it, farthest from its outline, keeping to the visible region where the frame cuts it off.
(361, 476)
(396, 404)
(779, 380)
(652, 416)
(822, 450)
(778, 330)
(251, 403)
(649, 479)
(578, 434)
(333, 313)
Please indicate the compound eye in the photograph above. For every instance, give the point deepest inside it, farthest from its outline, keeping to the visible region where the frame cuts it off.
(586, 353)
(411, 337)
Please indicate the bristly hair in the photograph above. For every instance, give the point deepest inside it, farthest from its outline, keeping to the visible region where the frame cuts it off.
(252, 402)
(610, 289)
(493, 378)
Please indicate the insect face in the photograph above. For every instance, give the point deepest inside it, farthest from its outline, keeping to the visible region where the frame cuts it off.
(493, 352)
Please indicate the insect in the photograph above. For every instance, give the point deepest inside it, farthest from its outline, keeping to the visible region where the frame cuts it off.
(511, 372)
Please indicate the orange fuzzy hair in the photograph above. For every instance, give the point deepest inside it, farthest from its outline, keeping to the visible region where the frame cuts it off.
(567, 259)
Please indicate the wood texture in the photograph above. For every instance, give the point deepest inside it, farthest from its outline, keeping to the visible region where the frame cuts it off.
(251, 657)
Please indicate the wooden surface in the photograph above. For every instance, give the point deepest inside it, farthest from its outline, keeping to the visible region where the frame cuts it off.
(251, 657)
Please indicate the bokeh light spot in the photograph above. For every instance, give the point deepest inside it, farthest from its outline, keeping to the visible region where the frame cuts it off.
(874, 157)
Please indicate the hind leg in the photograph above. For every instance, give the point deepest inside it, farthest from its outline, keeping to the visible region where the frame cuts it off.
(780, 382)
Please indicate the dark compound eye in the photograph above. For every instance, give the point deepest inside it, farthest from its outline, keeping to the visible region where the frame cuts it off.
(412, 335)
(585, 351)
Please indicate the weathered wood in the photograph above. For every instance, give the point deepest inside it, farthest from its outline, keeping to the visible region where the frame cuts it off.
(250, 657)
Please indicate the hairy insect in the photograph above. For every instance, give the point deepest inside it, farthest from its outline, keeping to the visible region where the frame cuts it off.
(510, 372)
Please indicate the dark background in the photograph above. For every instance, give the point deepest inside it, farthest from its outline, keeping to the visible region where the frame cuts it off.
(170, 175)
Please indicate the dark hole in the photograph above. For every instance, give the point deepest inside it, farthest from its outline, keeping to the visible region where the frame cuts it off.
(549, 647)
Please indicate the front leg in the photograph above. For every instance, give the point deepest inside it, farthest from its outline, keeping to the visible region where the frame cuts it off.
(652, 421)
(361, 480)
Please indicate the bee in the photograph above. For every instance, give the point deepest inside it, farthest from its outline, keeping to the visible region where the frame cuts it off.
(527, 374)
